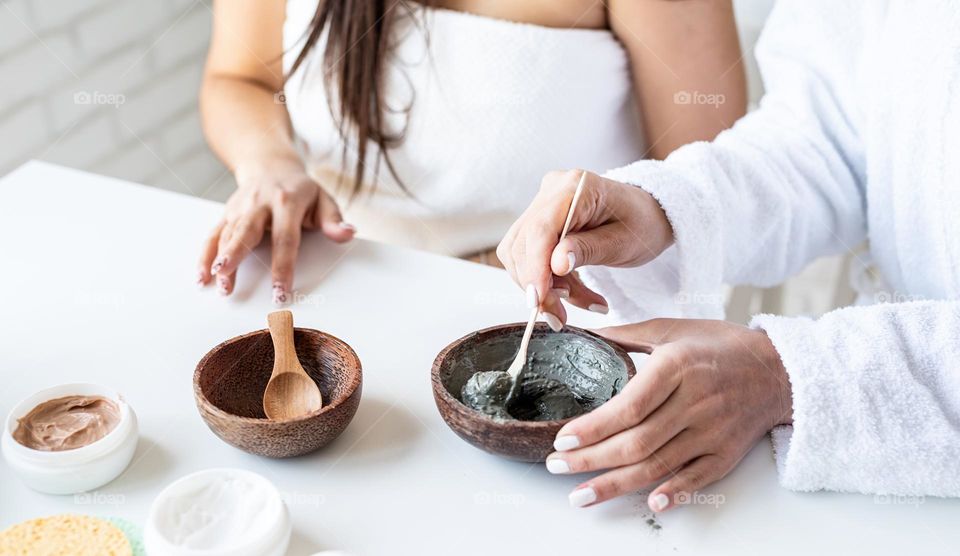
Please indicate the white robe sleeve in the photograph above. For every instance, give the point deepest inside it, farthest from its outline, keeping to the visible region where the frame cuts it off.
(784, 185)
(876, 399)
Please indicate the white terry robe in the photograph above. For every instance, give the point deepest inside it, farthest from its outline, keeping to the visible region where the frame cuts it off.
(857, 137)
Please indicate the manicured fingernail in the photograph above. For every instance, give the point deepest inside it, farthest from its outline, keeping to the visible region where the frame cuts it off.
(571, 261)
(582, 496)
(557, 466)
(599, 308)
(564, 443)
(533, 300)
(348, 226)
(562, 293)
(279, 294)
(200, 283)
(217, 265)
(222, 285)
(552, 321)
(658, 502)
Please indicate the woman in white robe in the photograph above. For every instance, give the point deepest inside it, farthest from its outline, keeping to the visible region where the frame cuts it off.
(858, 137)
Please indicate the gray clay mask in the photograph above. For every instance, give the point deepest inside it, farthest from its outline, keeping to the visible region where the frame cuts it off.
(566, 375)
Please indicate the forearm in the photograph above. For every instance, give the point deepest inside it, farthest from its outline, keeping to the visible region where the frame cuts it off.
(243, 121)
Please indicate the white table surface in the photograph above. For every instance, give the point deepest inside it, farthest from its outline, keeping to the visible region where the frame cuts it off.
(97, 285)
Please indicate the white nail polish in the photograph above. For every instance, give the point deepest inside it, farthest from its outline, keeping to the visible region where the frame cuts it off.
(279, 295)
(557, 466)
(571, 261)
(348, 226)
(533, 300)
(582, 496)
(552, 321)
(598, 308)
(659, 502)
(564, 443)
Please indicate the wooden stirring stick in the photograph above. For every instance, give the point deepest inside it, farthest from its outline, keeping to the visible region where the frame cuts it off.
(291, 392)
(521, 358)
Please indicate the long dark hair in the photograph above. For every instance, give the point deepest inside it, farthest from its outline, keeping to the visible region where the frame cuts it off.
(357, 44)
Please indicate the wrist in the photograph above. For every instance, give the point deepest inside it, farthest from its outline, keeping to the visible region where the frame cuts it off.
(276, 165)
(782, 393)
(653, 219)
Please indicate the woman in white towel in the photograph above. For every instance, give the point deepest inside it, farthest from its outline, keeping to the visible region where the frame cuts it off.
(444, 113)
(857, 138)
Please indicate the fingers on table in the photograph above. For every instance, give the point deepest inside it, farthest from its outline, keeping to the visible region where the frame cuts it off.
(245, 234)
(680, 461)
(208, 254)
(331, 220)
(285, 238)
(627, 447)
(237, 239)
(678, 489)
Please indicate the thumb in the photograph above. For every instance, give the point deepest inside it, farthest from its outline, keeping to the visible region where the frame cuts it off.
(642, 337)
(608, 245)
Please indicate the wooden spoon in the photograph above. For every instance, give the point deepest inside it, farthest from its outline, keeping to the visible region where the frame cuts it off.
(521, 359)
(291, 392)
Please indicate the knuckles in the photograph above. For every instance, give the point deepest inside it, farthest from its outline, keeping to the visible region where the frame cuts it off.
(558, 180)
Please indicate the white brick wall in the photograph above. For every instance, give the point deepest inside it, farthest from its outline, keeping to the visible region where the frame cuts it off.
(108, 86)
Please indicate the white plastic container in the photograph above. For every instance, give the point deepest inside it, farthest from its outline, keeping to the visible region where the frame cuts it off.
(218, 512)
(80, 469)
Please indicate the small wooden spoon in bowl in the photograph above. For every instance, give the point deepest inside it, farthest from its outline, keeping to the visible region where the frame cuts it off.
(291, 392)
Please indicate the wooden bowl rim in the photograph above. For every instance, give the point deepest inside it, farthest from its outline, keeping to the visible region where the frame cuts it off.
(356, 373)
(514, 424)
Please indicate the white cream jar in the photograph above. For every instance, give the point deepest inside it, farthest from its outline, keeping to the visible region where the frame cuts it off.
(218, 512)
(79, 469)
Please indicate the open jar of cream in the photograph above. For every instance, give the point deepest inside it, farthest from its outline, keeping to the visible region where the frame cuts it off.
(70, 438)
(218, 512)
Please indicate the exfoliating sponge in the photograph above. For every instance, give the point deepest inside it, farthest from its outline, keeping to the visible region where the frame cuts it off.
(133, 533)
(66, 535)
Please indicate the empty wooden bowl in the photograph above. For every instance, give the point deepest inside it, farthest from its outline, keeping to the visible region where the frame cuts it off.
(229, 381)
(492, 349)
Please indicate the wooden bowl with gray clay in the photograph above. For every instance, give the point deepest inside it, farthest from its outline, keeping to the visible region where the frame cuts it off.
(228, 387)
(607, 371)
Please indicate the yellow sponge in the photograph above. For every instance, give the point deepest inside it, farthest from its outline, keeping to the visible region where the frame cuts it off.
(67, 535)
